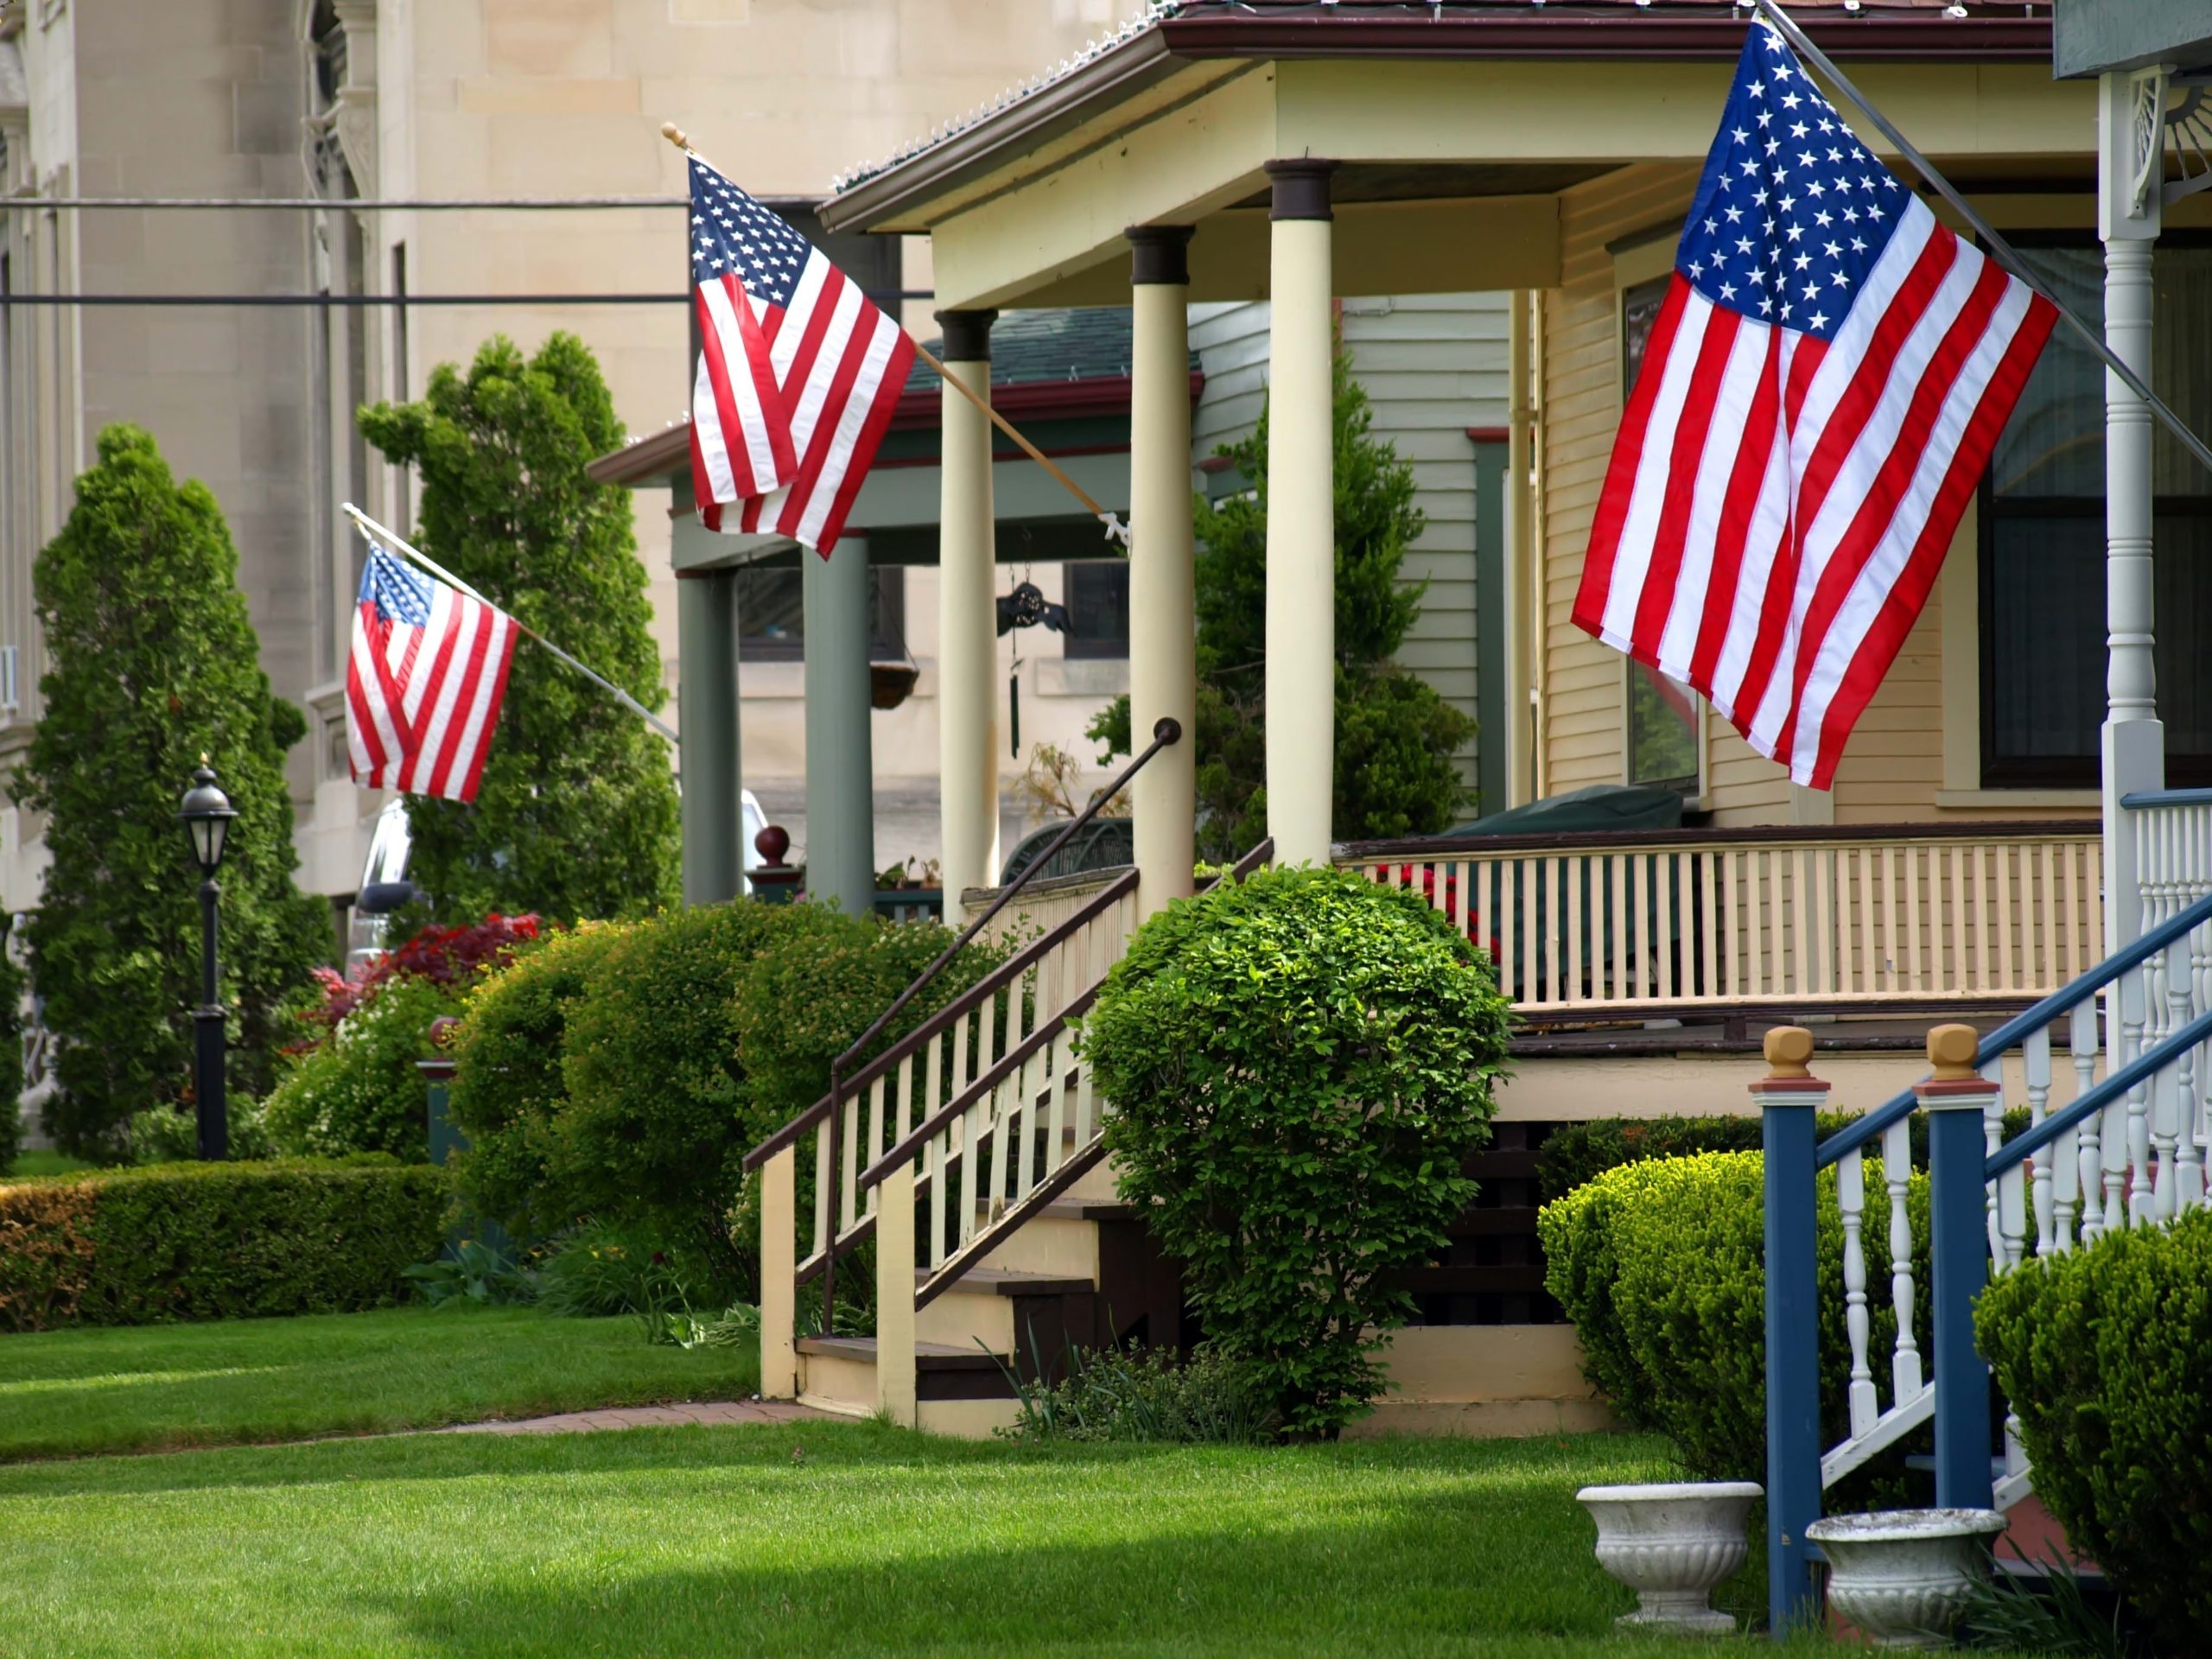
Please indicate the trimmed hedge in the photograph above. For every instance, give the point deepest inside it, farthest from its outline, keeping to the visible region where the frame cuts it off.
(215, 1241)
(1661, 1264)
(2105, 1354)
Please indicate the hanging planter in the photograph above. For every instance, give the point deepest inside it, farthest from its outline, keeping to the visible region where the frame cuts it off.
(890, 684)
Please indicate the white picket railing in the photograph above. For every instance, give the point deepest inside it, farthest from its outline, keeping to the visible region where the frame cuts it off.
(1591, 925)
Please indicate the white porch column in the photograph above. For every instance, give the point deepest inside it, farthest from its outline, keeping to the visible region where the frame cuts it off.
(1301, 516)
(840, 755)
(966, 656)
(2129, 206)
(1163, 637)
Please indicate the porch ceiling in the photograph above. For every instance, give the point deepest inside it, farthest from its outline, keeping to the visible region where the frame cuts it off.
(1453, 160)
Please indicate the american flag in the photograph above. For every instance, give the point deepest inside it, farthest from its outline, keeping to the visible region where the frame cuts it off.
(1827, 376)
(423, 684)
(798, 372)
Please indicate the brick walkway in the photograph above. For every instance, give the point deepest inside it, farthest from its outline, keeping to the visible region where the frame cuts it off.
(705, 1412)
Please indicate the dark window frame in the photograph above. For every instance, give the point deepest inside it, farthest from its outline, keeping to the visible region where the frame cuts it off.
(2061, 772)
(1651, 294)
(886, 641)
(1079, 647)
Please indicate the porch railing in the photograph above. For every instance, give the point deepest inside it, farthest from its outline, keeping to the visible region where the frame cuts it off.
(2107, 1147)
(1637, 924)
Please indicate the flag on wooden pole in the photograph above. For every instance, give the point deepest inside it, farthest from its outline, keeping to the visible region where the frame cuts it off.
(424, 682)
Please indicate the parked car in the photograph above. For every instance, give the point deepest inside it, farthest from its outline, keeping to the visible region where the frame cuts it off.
(385, 887)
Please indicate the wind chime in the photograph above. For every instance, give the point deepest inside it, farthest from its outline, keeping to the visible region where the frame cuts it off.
(1025, 607)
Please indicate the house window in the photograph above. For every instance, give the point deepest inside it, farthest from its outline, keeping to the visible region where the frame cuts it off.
(772, 615)
(1661, 718)
(1097, 593)
(2042, 540)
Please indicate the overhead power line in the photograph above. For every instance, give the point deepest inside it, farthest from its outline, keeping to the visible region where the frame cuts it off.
(881, 295)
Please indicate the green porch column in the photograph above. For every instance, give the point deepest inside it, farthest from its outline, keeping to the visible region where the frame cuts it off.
(706, 698)
(839, 760)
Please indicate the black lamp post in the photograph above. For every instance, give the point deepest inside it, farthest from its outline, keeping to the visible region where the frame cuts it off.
(206, 812)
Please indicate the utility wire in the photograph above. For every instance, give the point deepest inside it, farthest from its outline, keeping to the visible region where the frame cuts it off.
(880, 295)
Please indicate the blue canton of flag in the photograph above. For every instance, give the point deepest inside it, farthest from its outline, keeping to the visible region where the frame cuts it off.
(396, 590)
(732, 234)
(1792, 212)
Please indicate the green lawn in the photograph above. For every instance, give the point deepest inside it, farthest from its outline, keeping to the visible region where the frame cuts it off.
(151, 1387)
(45, 1163)
(819, 1539)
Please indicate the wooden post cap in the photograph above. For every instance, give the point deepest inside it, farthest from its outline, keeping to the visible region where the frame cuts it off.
(674, 134)
(1788, 1049)
(1951, 1050)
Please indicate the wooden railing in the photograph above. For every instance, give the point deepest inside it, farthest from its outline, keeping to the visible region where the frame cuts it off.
(1043, 905)
(1642, 923)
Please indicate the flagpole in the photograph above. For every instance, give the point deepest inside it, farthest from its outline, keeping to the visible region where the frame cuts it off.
(2000, 249)
(1116, 531)
(385, 537)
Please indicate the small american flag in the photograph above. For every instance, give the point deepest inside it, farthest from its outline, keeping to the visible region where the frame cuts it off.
(1827, 375)
(423, 684)
(799, 372)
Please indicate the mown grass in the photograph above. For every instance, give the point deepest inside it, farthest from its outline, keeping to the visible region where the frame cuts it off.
(150, 1388)
(817, 1538)
(28, 1163)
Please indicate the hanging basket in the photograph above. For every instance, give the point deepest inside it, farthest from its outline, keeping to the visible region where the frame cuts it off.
(890, 684)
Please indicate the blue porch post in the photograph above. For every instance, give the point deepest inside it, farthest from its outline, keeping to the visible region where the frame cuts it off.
(1955, 1098)
(1788, 1098)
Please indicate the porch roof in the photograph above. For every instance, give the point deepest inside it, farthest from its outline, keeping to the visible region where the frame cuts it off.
(1456, 126)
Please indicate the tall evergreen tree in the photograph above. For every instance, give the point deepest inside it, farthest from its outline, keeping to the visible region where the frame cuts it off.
(577, 814)
(1395, 734)
(153, 661)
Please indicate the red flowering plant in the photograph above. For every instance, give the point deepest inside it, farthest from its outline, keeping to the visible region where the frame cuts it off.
(1447, 904)
(448, 956)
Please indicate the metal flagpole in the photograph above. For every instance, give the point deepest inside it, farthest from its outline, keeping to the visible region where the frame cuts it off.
(1116, 531)
(385, 537)
(1772, 13)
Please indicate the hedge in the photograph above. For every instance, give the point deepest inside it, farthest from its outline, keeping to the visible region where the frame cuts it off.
(196, 1241)
(2105, 1354)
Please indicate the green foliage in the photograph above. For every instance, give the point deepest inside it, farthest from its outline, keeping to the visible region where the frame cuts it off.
(170, 1135)
(577, 815)
(13, 984)
(1661, 1264)
(1113, 1394)
(2058, 1614)
(472, 1274)
(2105, 1354)
(214, 1241)
(359, 1090)
(153, 661)
(594, 1271)
(1300, 1065)
(1394, 735)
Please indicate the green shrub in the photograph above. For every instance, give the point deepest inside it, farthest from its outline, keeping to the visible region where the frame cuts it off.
(215, 1241)
(1117, 1394)
(1300, 1065)
(1661, 1267)
(170, 1135)
(359, 1090)
(508, 1088)
(2105, 1354)
(472, 1274)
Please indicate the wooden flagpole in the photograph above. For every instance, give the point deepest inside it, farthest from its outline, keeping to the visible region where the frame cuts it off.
(385, 538)
(1116, 531)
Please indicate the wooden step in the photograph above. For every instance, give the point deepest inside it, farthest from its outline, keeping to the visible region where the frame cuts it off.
(1006, 1281)
(928, 1355)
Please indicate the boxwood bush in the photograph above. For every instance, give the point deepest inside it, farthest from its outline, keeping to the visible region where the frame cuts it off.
(1300, 1065)
(2106, 1355)
(214, 1241)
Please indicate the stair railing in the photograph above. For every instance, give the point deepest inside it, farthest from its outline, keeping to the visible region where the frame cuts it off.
(841, 1222)
(2127, 1150)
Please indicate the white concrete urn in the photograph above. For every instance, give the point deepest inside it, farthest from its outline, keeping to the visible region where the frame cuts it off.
(1903, 1576)
(1671, 1545)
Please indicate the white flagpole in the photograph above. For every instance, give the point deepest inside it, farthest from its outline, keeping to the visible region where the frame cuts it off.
(2000, 249)
(386, 537)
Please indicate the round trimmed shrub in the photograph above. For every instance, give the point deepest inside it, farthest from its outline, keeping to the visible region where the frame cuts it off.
(1299, 1065)
(2105, 1354)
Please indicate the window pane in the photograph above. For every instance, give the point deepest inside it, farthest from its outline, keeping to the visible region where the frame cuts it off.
(2045, 624)
(1639, 313)
(771, 614)
(1098, 608)
(1662, 730)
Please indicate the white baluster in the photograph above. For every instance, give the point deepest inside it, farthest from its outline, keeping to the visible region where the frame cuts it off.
(1896, 1175)
(1993, 1135)
(1851, 1199)
(2115, 1164)
(2136, 999)
(2087, 1160)
(2011, 1215)
(2172, 1087)
(2035, 1058)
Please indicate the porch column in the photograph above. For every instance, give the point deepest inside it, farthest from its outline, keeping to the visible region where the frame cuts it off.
(966, 655)
(840, 762)
(1301, 520)
(706, 700)
(1163, 626)
(2129, 209)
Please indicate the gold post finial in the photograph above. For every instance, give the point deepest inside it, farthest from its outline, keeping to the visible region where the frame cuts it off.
(203, 758)
(1788, 1049)
(674, 134)
(1951, 1050)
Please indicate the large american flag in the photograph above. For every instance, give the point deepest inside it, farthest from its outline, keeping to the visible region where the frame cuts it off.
(424, 682)
(799, 372)
(1821, 391)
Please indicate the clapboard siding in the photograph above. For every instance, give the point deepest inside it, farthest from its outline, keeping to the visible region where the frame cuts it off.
(1432, 366)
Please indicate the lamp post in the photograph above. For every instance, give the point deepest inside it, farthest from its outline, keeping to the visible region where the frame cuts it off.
(207, 813)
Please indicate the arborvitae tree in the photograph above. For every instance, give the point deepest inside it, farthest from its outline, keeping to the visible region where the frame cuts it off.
(153, 661)
(577, 814)
(1395, 734)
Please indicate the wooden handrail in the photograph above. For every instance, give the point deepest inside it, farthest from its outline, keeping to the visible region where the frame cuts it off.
(1422, 848)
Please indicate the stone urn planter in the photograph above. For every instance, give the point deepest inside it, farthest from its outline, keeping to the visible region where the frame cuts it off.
(1671, 1545)
(1903, 1576)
